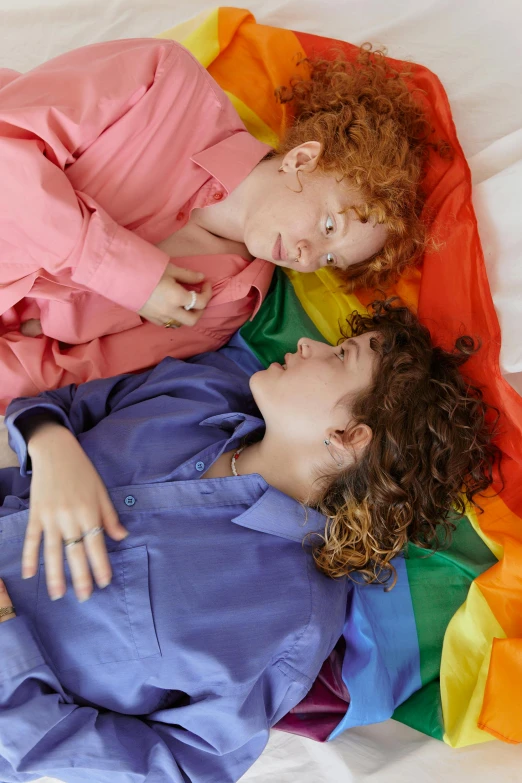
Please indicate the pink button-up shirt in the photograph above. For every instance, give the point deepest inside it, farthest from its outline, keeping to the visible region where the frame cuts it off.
(105, 151)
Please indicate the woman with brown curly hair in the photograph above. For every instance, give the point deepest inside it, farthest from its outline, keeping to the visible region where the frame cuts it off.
(118, 157)
(210, 621)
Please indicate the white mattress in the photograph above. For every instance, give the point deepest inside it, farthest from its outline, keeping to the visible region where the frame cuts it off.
(474, 46)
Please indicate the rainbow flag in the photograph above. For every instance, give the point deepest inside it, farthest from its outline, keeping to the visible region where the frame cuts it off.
(442, 651)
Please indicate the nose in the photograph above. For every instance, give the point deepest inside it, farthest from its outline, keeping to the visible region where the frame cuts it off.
(307, 347)
(303, 348)
(308, 255)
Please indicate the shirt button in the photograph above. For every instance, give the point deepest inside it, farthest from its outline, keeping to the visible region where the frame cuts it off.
(180, 216)
(130, 500)
(200, 466)
(217, 196)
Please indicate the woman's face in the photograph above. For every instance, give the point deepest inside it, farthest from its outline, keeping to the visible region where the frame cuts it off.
(308, 397)
(300, 218)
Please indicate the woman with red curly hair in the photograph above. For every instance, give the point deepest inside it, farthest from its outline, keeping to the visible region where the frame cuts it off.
(121, 156)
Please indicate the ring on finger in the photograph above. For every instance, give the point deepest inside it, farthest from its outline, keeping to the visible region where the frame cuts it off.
(72, 541)
(94, 531)
(192, 301)
(172, 324)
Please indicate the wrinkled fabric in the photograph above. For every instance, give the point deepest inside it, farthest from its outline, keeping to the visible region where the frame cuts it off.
(105, 151)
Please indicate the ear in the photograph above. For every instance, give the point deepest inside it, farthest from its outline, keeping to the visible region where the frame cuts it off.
(302, 158)
(346, 442)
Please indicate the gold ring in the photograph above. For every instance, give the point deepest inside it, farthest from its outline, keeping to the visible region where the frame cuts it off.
(5, 610)
(172, 324)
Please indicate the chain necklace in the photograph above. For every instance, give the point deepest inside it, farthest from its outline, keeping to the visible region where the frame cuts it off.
(235, 455)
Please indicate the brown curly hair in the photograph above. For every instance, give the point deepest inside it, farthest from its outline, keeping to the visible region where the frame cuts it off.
(374, 133)
(431, 450)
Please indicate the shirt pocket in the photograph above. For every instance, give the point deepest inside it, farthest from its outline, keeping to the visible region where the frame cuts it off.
(115, 624)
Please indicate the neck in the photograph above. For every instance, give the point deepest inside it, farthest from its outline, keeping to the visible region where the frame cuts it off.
(227, 218)
(278, 467)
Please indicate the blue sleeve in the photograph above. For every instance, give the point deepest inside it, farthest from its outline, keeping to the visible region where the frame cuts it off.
(214, 739)
(79, 408)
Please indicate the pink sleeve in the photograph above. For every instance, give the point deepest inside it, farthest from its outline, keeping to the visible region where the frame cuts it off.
(47, 118)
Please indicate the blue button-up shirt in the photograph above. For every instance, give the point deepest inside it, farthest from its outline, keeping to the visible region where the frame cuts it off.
(216, 622)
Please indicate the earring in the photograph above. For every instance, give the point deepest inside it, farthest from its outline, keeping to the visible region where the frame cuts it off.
(326, 442)
(280, 168)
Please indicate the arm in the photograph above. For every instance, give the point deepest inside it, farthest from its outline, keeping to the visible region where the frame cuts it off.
(68, 496)
(47, 117)
(214, 739)
(77, 408)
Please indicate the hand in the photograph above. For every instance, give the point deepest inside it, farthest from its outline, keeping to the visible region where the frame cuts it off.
(169, 298)
(68, 498)
(5, 601)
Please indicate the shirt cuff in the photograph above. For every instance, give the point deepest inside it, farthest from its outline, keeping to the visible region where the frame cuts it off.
(19, 651)
(128, 272)
(14, 423)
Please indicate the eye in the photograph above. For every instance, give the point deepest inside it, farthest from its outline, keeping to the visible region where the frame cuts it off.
(340, 355)
(329, 225)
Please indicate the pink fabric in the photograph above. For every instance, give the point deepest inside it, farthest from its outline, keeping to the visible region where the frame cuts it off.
(104, 151)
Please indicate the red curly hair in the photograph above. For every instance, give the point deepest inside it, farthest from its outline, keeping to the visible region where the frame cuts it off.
(375, 134)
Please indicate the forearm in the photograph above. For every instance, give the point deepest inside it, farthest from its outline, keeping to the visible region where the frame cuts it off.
(8, 458)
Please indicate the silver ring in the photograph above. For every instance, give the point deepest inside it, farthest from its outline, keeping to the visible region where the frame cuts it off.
(93, 532)
(192, 301)
(72, 541)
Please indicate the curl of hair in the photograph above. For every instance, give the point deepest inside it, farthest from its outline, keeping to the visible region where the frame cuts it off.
(374, 134)
(431, 450)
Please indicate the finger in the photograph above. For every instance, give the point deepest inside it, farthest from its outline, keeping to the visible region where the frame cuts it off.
(183, 275)
(5, 601)
(202, 298)
(80, 571)
(111, 522)
(98, 559)
(31, 549)
(53, 558)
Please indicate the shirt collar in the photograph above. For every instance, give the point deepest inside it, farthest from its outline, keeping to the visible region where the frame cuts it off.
(280, 515)
(274, 512)
(232, 159)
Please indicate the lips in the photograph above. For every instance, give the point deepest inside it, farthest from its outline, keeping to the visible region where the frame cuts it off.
(279, 251)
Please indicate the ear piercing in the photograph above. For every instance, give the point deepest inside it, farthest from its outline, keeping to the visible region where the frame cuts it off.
(326, 442)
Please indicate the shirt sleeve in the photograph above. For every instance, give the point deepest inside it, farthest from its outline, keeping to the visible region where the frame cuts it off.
(47, 118)
(79, 408)
(213, 739)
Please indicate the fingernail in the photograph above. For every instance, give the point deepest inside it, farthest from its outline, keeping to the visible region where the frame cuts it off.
(57, 596)
(27, 573)
(82, 597)
(104, 583)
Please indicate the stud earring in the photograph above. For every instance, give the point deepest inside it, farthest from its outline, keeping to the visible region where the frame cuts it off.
(326, 442)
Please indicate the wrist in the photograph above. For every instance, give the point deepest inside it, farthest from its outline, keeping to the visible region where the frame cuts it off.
(39, 432)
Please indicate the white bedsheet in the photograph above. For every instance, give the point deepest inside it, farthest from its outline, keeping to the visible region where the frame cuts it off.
(474, 46)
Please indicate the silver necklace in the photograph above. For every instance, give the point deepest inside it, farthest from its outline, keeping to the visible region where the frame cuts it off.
(235, 455)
